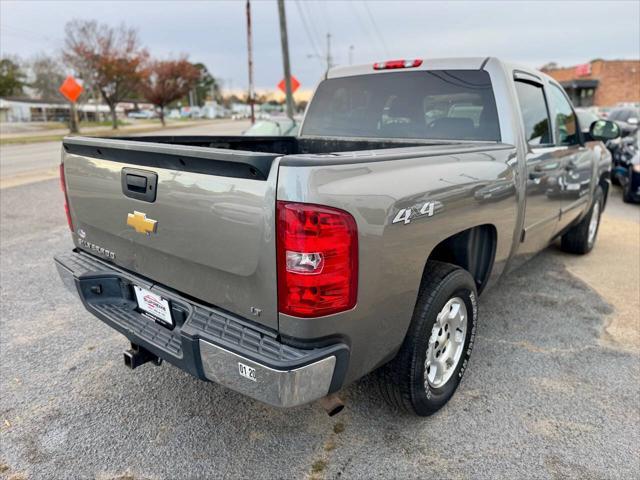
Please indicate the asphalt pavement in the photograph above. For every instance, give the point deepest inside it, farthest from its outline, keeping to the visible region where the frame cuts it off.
(21, 164)
(552, 390)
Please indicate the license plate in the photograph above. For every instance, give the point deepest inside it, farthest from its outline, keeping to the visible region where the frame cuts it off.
(247, 372)
(153, 304)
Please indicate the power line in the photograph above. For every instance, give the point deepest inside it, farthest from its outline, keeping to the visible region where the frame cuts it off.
(362, 24)
(375, 28)
(307, 30)
(325, 18)
(27, 34)
(307, 6)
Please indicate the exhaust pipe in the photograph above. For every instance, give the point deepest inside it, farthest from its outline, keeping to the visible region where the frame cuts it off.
(137, 355)
(332, 404)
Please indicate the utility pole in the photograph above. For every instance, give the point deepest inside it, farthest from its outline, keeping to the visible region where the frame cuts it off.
(285, 58)
(73, 118)
(329, 59)
(351, 47)
(250, 51)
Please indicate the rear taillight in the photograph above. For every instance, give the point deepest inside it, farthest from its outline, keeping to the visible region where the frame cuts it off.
(63, 186)
(391, 64)
(317, 260)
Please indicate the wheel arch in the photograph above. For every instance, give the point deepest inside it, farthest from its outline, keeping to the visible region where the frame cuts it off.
(473, 249)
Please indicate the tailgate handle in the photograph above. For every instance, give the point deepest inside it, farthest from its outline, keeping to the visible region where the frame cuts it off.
(139, 184)
(136, 183)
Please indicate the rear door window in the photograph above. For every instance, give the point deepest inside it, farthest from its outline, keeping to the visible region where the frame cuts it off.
(535, 116)
(438, 104)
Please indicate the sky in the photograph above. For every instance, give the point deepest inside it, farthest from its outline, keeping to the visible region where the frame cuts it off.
(214, 32)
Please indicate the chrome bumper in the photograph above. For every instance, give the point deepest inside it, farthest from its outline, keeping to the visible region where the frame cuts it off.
(208, 343)
(281, 388)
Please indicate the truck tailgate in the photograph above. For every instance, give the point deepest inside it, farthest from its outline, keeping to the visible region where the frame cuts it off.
(214, 236)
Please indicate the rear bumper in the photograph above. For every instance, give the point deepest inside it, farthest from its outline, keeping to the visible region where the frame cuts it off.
(209, 343)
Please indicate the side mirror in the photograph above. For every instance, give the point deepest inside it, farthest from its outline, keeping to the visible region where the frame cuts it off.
(632, 121)
(604, 130)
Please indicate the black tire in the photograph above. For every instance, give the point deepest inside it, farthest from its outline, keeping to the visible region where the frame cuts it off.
(627, 194)
(614, 178)
(577, 240)
(402, 381)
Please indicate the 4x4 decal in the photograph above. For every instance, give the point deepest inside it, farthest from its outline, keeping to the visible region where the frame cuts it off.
(428, 209)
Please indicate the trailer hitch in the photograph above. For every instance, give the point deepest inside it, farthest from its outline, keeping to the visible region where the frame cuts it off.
(137, 355)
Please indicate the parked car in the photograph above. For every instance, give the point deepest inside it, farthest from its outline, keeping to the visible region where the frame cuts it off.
(174, 114)
(286, 268)
(627, 118)
(142, 114)
(275, 126)
(626, 169)
(585, 119)
(603, 112)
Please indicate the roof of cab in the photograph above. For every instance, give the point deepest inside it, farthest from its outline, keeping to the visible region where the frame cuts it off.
(469, 63)
(465, 63)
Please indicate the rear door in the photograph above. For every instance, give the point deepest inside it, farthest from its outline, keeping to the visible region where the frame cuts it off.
(544, 164)
(210, 236)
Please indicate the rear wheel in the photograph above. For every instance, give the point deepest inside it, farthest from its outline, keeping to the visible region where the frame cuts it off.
(581, 238)
(429, 366)
(627, 194)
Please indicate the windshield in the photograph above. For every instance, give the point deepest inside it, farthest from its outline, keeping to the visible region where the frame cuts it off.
(440, 104)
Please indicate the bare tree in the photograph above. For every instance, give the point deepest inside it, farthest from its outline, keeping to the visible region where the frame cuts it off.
(169, 80)
(47, 76)
(108, 59)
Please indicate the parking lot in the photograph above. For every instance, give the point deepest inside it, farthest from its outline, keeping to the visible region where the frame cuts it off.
(552, 391)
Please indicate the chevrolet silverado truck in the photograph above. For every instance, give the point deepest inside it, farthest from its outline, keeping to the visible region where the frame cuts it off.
(286, 268)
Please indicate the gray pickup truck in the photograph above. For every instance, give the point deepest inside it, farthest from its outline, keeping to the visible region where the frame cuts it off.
(285, 268)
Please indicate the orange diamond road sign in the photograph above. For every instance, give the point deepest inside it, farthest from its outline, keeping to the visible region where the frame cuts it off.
(71, 89)
(295, 84)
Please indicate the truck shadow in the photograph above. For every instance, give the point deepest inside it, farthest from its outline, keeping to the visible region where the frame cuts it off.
(529, 356)
(534, 386)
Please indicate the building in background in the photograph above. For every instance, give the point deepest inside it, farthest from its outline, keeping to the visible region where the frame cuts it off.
(20, 110)
(600, 83)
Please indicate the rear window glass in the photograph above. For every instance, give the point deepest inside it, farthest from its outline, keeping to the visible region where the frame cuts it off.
(440, 104)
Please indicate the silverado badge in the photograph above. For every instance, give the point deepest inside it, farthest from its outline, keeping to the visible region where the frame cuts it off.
(141, 223)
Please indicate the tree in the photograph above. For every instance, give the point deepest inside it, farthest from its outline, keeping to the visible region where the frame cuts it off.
(169, 80)
(47, 76)
(206, 86)
(12, 78)
(110, 60)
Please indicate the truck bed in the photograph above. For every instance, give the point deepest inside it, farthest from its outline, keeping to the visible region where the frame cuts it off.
(213, 202)
(249, 157)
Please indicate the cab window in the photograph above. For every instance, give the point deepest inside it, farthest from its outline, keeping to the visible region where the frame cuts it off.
(534, 113)
(566, 127)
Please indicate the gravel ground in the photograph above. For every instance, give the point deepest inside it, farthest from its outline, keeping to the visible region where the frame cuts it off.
(545, 396)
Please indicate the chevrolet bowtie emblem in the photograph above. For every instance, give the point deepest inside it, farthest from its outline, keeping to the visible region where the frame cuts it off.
(141, 223)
